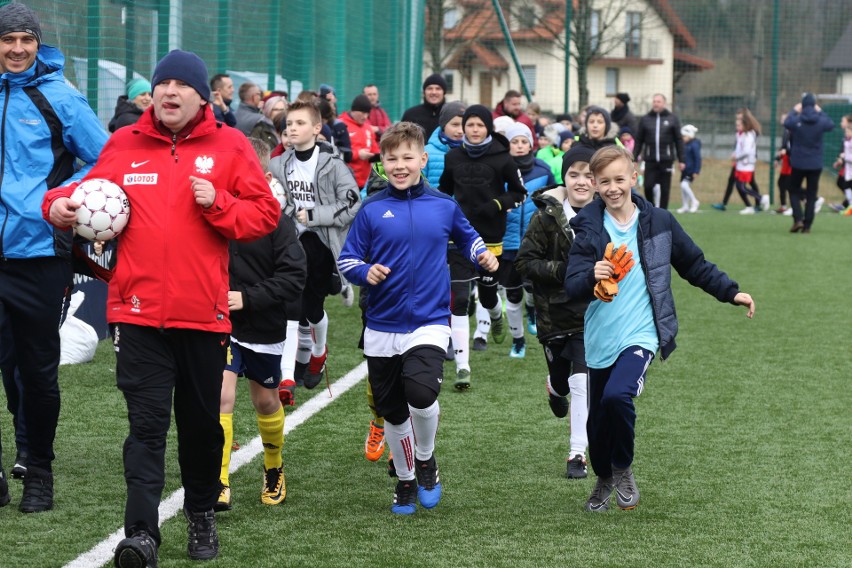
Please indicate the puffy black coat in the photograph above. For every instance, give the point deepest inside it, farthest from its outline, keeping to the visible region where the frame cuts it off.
(126, 113)
(664, 127)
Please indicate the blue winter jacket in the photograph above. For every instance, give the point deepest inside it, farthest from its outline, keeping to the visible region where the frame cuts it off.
(662, 244)
(46, 126)
(518, 219)
(437, 150)
(806, 132)
(407, 232)
(692, 158)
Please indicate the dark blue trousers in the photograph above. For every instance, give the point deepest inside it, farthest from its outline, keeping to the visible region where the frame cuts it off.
(612, 415)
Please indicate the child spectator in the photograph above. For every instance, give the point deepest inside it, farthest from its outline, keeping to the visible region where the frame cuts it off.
(361, 137)
(404, 230)
(782, 162)
(843, 164)
(745, 158)
(322, 199)
(596, 132)
(264, 274)
(632, 312)
(692, 167)
(551, 153)
(542, 259)
(447, 136)
(486, 182)
(625, 134)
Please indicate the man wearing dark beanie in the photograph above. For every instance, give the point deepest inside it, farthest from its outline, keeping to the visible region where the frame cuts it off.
(47, 127)
(169, 303)
(621, 114)
(426, 115)
(361, 137)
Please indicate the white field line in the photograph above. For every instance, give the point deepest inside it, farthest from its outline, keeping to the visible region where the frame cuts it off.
(102, 552)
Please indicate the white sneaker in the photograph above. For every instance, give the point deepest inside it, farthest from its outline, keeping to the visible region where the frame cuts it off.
(818, 204)
(788, 212)
(747, 211)
(764, 202)
(694, 207)
(683, 209)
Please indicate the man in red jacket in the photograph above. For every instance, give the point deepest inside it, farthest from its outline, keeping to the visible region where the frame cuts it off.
(364, 148)
(193, 185)
(379, 119)
(511, 106)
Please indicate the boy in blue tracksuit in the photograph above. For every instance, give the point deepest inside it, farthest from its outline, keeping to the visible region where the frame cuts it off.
(403, 230)
(632, 312)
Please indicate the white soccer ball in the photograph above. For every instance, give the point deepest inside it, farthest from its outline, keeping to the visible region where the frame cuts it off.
(104, 209)
(278, 191)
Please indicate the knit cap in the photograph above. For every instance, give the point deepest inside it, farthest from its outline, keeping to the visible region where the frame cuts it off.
(502, 123)
(519, 129)
(435, 79)
(449, 111)
(183, 66)
(689, 130)
(136, 87)
(481, 112)
(19, 18)
(601, 111)
(577, 153)
(623, 97)
(361, 103)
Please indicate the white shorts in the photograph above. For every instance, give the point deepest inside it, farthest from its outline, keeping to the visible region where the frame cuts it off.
(385, 344)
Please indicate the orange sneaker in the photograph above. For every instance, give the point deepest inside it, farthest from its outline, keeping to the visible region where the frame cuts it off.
(374, 445)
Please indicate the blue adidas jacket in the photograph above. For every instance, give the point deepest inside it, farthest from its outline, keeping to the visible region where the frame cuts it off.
(662, 244)
(518, 219)
(47, 126)
(408, 232)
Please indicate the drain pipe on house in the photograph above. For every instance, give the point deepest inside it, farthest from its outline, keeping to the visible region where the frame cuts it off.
(511, 45)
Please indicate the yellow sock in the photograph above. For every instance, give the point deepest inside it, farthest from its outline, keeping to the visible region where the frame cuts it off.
(227, 422)
(371, 402)
(271, 427)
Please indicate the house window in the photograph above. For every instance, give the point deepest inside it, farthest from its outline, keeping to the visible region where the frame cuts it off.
(595, 30)
(530, 74)
(633, 35)
(451, 18)
(526, 17)
(611, 81)
(449, 77)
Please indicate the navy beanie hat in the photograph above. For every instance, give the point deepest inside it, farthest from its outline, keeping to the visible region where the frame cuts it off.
(601, 111)
(483, 113)
(19, 18)
(808, 99)
(361, 103)
(578, 153)
(435, 79)
(183, 66)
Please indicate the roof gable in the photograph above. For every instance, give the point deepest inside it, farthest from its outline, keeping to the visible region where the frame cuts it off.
(840, 58)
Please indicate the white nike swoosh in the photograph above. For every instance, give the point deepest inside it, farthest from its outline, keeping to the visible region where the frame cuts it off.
(136, 165)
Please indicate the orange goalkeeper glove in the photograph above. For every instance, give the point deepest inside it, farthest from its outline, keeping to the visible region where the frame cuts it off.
(621, 259)
(606, 290)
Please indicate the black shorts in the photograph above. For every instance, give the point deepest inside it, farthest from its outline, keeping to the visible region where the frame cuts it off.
(565, 356)
(262, 368)
(461, 269)
(423, 364)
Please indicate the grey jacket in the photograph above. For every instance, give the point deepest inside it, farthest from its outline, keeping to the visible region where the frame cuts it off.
(337, 199)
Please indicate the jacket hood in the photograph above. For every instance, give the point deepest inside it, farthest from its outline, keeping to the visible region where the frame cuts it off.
(435, 140)
(550, 195)
(326, 153)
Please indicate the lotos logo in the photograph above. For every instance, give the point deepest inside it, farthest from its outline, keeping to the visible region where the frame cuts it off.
(140, 179)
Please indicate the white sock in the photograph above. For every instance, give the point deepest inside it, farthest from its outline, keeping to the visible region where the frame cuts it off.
(848, 194)
(460, 331)
(687, 194)
(579, 384)
(515, 315)
(291, 345)
(319, 331)
(400, 440)
(424, 422)
(656, 192)
(306, 343)
(497, 311)
(483, 322)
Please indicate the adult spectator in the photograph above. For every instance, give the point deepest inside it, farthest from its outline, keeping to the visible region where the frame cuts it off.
(379, 119)
(264, 129)
(807, 125)
(511, 106)
(170, 336)
(47, 127)
(130, 106)
(621, 114)
(222, 92)
(364, 148)
(334, 130)
(248, 111)
(426, 115)
(328, 93)
(659, 144)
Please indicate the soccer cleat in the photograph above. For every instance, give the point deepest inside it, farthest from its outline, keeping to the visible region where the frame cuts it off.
(405, 497)
(836, 207)
(719, 206)
(598, 501)
(139, 550)
(694, 206)
(848, 212)
(683, 209)
(223, 502)
(374, 445)
(274, 486)
(818, 204)
(519, 348)
(428, 482)
(764, 203)
(19, 470)
(498, 330)
(4, 489)
(626, 492)
(203, 539)
(462, 379)
(315, 370)
(747, 210)
(347, 295)
(38, 491)
(788, 212)
(577, 467)
(480, 344)
(287, 392)
(391, 466)
(558, 405)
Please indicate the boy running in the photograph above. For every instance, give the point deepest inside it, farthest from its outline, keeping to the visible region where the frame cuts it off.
(404, 230)
(634, 313)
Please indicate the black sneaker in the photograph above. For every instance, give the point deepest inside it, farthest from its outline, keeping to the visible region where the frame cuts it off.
(558, 405)
(38, 491)
(4, 489)
(577, 467)
(405, 498)
(479, 344)
(203, 538)
(19, 470)
(428, 482)
(136, 551)
(626, 492)
(598, 501)
(299, 373)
